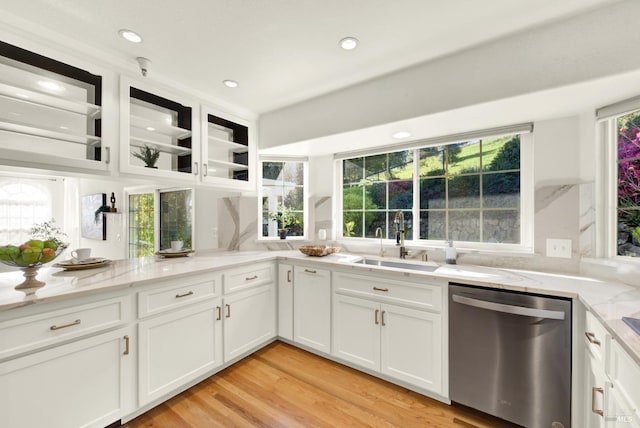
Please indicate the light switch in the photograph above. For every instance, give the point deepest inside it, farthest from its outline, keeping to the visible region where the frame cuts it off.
(559, 248)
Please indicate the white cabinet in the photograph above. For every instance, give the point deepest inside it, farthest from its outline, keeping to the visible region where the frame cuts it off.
(154, 121)
(403, 343)
(285, 301)
(179, 333)
(80, 384)
(228, 152)
(50, 113)
(382, 325)
(178, 347)
(249, 309)
(611, 394)
(249, 320)
(312, 308)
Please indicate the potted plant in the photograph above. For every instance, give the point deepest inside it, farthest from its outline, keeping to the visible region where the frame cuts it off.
(149, 155)
(285, 217)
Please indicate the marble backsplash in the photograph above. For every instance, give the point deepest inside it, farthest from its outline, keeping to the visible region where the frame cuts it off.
(561, 211)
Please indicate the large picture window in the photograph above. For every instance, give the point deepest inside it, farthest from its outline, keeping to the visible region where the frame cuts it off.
(628, 183)
(465, 191)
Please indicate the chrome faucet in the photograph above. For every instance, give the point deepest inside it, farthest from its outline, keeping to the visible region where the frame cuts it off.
(379, 235)
(398, 221)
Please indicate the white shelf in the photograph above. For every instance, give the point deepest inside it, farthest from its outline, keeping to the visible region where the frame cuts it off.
(50, 101)
(236, 147)
(163, 147)
(228, 165)
(20, 128)
(159, 127)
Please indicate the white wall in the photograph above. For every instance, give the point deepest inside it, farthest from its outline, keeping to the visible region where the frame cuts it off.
(557, 151)
(581, 49)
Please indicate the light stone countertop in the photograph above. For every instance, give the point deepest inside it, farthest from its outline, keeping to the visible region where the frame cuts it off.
(609, 301)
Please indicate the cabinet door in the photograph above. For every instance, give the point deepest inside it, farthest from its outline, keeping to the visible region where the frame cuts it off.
(81, 384)
(285, 301)
(594, 393)
(312, 308)
(249, 320)
(356, 331)
(412, 346)
(178, 347)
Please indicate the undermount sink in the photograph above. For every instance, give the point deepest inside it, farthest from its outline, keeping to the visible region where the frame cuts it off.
(424, 267)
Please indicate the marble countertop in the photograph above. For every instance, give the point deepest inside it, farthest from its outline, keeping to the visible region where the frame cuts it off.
(609, 301)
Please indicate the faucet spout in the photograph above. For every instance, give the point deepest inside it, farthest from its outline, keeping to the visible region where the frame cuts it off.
(379, 235)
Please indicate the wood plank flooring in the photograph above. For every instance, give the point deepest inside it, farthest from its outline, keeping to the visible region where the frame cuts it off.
(283, 386)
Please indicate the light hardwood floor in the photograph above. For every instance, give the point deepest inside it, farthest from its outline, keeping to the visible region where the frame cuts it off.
(283, 386)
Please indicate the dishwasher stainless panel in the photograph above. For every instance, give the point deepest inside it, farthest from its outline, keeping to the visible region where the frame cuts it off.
(510, 355)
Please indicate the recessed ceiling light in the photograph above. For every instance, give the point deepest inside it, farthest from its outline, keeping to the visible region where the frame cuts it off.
(349, 43)
(51, 85)
(401, 134)
(150, 128)
(131, 36)
(230, 83)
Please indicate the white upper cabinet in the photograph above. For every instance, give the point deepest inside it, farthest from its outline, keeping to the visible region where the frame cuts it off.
(50, 113)
(158, 132)
(228, 152)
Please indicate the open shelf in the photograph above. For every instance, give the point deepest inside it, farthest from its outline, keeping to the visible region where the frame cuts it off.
(235, 147)
(163, 147)
(159, 127)
(228, 165)
(20, 128)
(24, 95)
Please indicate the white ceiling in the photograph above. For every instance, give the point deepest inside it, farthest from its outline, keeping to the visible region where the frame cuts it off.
(280, 51)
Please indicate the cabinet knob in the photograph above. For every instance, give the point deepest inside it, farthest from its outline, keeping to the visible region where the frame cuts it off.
(228, 311)
(382, 318)
(218, 313)
(126, 345)
(376, 316)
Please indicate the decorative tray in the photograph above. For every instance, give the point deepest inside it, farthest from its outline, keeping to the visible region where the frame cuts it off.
(90, 263)
(170, 253)
(318, 250)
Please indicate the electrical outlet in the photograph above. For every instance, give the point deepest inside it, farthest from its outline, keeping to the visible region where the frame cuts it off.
(559, 248)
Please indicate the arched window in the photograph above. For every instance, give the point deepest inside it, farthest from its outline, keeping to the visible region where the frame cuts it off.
(23, 203)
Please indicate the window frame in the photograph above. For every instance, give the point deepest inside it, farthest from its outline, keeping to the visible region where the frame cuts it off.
(305, 196)
(156, 209)
(526, 244)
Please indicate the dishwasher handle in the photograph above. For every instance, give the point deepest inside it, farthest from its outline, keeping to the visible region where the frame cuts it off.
(509, 309)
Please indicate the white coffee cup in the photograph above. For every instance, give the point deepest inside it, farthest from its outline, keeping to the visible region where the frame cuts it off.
(176, 245)
(81, 254)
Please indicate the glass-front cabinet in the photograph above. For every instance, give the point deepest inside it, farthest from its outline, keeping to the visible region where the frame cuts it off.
(50, 113)
(157, 133)
(227, 151)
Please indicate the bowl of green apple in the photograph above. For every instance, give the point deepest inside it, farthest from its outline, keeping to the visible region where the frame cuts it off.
(30, 257)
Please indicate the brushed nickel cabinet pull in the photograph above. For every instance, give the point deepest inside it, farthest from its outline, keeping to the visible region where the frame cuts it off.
(382, 318)
(288, 276)
(190, 293)
(58, 327)
(594, 390)
(108, 155)
(251, 278)
(195, 168)
(380, 289)
(218, 313)
(310, 271)
(376, 316)
(228, 311)
(592, 338)
(205, 170)
(126, 346)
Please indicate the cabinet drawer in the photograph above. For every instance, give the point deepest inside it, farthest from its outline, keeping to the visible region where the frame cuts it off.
(417, 295)
(597, 340)
(248, 276)
(172, 295)
(28, 333)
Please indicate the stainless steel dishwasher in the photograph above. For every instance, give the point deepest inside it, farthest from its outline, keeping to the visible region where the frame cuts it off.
(510, 355)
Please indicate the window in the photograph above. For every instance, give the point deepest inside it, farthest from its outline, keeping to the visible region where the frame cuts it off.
(628, 183)
(283, 191)
(174, 222)
(23, 203)
(467, 191)
(618, 228)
